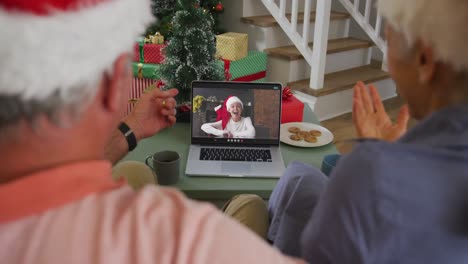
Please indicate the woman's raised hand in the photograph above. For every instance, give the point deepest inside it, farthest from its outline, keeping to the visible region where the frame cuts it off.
(370, 118)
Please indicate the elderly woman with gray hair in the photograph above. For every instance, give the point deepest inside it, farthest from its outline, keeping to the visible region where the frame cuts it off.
(400, 196)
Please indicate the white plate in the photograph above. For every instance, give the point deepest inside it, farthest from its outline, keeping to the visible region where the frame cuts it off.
(324, 139)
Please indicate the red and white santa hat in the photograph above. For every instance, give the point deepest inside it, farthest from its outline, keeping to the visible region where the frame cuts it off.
(232, 100)
(50, 45)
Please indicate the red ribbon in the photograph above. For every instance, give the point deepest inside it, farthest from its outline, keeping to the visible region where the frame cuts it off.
(227, 67)
(251, 77)
(287, 94)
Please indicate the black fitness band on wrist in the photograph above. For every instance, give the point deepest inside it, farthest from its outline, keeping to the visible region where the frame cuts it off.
(129, 136)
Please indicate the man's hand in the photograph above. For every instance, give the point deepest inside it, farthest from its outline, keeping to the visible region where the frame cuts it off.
(153, 112)
(370, 118)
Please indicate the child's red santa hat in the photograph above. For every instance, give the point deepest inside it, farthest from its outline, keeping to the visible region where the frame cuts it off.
(51, 46)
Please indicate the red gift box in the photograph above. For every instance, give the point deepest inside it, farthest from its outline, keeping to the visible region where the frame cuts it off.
(292, 110)
(149, 53)
(138, 87)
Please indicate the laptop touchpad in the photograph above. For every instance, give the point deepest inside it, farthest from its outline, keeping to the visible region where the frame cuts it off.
(236, 168)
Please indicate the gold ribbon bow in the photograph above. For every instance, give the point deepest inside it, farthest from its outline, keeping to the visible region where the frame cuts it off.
(140, 70)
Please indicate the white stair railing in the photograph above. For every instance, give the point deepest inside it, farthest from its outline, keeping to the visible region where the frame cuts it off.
(374, 30)
(315, 56)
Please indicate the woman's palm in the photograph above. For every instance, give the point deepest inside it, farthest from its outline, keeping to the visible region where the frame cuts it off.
(370, 118)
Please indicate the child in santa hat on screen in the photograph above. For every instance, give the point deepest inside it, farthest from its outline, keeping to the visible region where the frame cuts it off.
(229, 122)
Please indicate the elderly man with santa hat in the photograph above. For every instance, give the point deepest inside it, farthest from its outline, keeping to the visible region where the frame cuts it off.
(64, 79)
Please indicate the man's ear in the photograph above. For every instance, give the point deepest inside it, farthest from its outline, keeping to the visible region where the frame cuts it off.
(116, 84)
(427, 63)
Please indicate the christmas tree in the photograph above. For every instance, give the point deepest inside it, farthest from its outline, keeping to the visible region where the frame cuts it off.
(161, 7)
(190, 54)
(215, 8)
(164, 11)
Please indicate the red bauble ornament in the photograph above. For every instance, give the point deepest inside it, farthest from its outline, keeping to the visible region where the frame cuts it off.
(219, 7)
(287, 93)
(160, 84)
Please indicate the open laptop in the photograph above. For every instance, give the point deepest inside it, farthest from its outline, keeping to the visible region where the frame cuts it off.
(242, 141)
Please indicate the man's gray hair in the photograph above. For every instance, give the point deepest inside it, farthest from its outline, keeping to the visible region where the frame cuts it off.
(13, 108)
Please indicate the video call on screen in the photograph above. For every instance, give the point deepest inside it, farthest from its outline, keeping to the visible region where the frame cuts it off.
(260, 109)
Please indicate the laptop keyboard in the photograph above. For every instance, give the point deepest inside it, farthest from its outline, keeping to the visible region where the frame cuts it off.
(236, 154)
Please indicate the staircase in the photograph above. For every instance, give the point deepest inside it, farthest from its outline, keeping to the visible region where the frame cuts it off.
(320, 48)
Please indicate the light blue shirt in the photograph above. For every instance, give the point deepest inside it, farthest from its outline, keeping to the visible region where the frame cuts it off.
(404, 202)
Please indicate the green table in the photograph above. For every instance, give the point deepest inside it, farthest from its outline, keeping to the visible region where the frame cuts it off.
(177, 139)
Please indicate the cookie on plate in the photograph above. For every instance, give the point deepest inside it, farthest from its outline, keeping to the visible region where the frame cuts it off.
(311, 139)
(315, 133)
(303, 133)
(294, 130)
(296, 137)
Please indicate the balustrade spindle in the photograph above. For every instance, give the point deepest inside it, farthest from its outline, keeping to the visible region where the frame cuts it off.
(378, 26)
(306, 29)
(294, 13)
(356, 5)
(319, 51)
(283, 8)
(368, 10)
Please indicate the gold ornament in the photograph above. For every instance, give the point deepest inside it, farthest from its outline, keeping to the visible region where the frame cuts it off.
(158, 38)
(197, 103)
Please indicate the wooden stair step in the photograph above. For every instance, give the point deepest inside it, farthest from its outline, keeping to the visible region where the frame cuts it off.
(334, 46)
(342, 80)
(269, 21)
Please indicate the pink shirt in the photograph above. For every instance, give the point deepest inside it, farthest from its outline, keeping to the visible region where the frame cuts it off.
(69, 215)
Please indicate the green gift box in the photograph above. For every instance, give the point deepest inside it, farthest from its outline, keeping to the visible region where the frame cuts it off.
(145, 70)
(249, 69)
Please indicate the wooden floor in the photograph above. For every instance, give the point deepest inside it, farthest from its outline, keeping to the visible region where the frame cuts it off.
(343, 129)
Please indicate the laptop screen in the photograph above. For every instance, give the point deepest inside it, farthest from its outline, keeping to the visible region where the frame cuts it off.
(232, 113)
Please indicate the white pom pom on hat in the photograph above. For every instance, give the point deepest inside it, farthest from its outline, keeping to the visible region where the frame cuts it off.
(50, 45)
